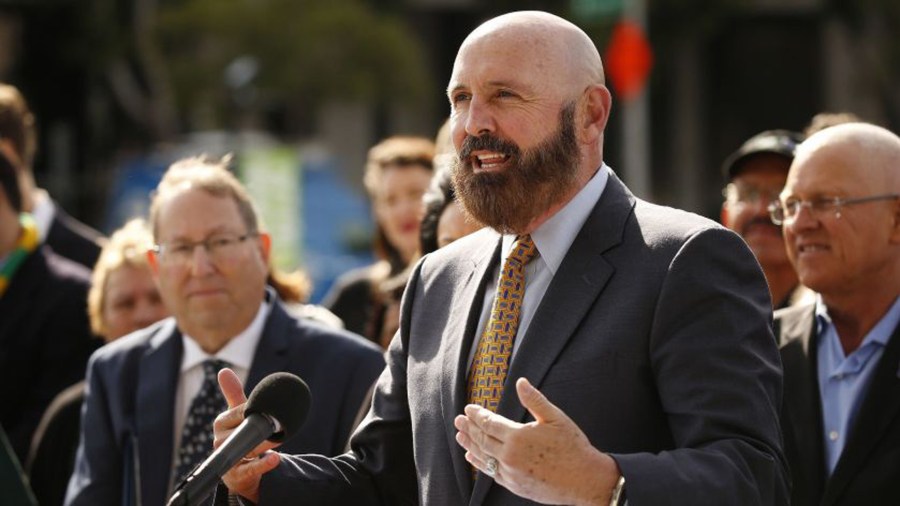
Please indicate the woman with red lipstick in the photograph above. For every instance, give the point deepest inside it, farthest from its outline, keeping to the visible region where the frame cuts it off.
(398, 172)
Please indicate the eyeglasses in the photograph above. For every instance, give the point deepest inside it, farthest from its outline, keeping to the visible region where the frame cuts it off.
(746, 194)
(786, 212)
(218, 247)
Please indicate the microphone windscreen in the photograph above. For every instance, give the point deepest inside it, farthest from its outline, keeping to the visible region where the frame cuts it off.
(284, 397)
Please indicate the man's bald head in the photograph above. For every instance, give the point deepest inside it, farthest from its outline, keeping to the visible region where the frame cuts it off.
(872, 151)
(550, 43)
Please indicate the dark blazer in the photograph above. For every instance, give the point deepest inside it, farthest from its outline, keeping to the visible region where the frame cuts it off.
(45, 340)
(73, 239)
(127, 420)
(654, 337)
(868, 471)
(352, 300)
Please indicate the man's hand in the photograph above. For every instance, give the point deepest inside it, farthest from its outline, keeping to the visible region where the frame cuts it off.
(549, 460)
(242, 479)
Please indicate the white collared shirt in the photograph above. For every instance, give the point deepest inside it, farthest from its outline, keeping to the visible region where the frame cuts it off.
(238, 353)
(552, 240)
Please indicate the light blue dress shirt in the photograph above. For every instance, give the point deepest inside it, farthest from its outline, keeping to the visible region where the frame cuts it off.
(844, 380)
(552, 240)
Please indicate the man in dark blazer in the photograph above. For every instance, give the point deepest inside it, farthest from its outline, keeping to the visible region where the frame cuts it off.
(211, 266)
(67, 236)
(841, 355)
(643, 366)
(45, 338)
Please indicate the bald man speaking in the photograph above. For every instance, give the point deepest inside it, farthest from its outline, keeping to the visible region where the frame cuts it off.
(587, 348)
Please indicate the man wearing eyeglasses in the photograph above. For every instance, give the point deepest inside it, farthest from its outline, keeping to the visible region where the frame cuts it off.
(756, 173)
(840, 209)
(152, 396)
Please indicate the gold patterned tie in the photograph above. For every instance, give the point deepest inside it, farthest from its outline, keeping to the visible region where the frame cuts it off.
(491, 361)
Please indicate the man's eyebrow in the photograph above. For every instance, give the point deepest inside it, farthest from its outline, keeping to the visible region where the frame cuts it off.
(491, 84)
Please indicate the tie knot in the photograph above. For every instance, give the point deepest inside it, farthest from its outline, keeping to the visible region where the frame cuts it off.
(211, 367)
(523, 249)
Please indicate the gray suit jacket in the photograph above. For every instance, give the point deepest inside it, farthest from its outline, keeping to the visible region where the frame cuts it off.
(868, 471)
(654, 337)
(127, 419)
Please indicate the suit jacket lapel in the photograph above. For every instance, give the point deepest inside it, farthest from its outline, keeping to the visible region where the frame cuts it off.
(878, 411)
(801, 386)
(574, 290)
(154, 412)
(271, 352)
(456, 344)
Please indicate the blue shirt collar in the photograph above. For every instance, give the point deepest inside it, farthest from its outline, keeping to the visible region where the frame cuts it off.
(554, 237)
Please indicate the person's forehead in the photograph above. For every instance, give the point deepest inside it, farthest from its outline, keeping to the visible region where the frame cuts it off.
(829, 169)
(507, 59)
(188, 212)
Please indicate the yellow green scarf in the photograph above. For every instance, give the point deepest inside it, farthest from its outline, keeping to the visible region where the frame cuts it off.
(27, 243)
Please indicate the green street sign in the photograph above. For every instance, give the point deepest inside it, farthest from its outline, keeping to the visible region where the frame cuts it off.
(593, 10)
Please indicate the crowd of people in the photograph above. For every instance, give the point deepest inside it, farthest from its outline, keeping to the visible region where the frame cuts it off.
(531, 332)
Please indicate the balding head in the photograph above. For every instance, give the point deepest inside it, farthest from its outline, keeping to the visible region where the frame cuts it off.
(545, 43)
(871, 152)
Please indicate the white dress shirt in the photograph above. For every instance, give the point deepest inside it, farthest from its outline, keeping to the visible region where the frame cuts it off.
(238, 353)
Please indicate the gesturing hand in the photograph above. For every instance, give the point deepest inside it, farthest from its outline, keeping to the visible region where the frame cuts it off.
(242, 479)
(549, 460)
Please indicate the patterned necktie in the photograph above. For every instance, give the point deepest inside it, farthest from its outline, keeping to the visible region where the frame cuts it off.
(197, 434)
(491, 361)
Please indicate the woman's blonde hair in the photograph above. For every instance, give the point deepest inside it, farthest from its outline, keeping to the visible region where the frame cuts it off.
(127, 247)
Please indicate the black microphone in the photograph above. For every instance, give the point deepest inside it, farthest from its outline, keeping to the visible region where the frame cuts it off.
(277, 407)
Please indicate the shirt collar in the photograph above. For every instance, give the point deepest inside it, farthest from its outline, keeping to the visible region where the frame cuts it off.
(880, 333)
(554, 237)
(238, 351)
(44, 211)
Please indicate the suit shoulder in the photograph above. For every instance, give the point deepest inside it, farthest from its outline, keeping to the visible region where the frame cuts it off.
(64, 269)
(327, 339)
(662, 222)
(133, 344)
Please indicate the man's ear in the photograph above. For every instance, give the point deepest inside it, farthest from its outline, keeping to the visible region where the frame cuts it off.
(265, 245)
(153, 260)
(596, 104)
(895, 230)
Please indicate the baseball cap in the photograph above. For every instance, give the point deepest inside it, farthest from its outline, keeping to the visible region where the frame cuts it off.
(779, 142)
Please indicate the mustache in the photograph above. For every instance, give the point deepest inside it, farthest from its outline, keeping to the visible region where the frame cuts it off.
(487, 142)
(759, 221)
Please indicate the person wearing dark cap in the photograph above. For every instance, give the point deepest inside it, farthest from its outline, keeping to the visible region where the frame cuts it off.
(756, 173)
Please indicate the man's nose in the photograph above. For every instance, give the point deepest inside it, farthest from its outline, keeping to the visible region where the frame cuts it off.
(803, 219)
(479, 120)
(201, 261)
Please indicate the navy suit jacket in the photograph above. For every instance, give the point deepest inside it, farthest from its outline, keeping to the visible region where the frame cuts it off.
(127, 420)
(45, 340)
(654, 336)
(868, 470)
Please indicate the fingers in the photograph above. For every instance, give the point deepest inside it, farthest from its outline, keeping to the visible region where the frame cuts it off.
(225, 423)
(534, 401)
(244, 478)
(231, 387)
(475, 439)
